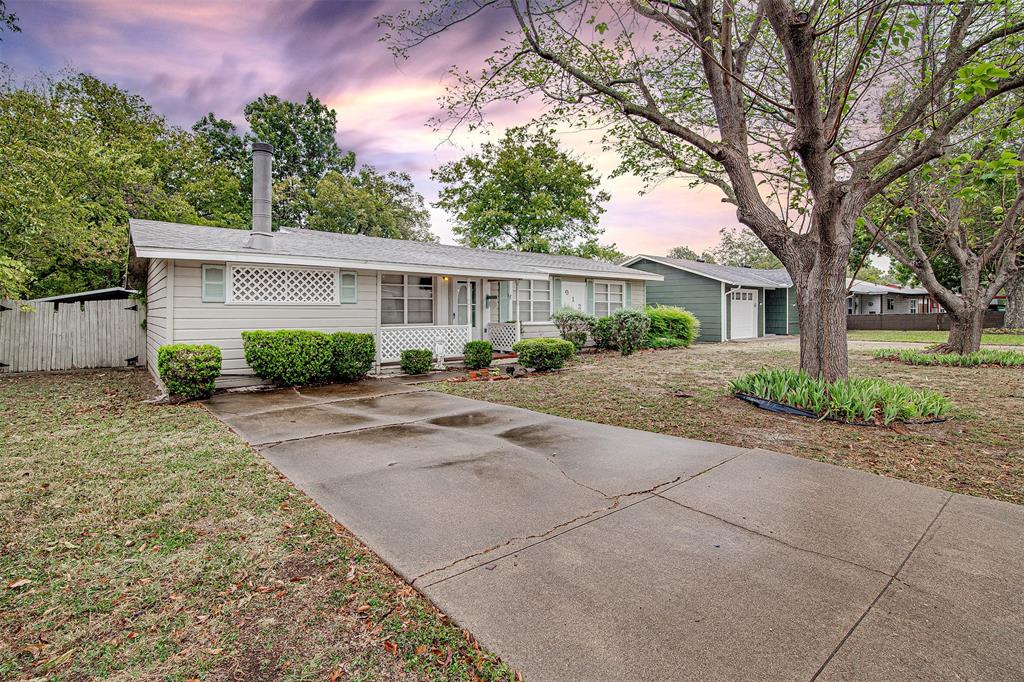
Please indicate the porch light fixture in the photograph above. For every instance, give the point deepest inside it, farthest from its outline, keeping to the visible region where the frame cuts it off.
(445, 278)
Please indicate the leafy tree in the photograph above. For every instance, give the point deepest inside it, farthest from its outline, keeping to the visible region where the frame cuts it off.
(957, 223)
(8, 19)
(522, 193)
(776, 104)
(686, 253)
(595, 251)
(371, 204)
(740, 247)
(78, 158)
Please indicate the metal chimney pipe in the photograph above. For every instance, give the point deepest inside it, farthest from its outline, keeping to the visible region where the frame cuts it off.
(262, 158)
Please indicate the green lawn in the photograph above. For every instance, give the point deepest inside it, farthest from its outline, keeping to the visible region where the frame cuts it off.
(931, 337)
(143, 541)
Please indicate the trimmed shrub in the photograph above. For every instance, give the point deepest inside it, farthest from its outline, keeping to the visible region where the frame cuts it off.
(852, 400)
(544, 354)
(573, 325)
(353, 355)
(416, 360)
(603, 333)
(478, 354)
(629, 329)
(672, 326)
(290, 357)
(187, 370)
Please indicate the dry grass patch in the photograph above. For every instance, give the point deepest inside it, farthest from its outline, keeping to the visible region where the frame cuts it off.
(150, 542)
(978, 452)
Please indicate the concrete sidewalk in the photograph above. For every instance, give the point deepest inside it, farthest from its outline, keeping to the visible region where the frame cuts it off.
(581, 551)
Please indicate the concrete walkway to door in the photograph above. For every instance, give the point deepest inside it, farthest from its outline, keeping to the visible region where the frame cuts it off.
(580, 551)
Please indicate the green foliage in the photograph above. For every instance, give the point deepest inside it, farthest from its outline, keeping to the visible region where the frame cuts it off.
(353, 354)
(8, 20)
(544, 354)
(672, 326)
(573, 325)
(187, 370)
(594, 251)
(739, 247)
(603, 332)
(985, 356)
(629, 329)
(289, 357)
(416, 360)
(478, 354)
(13, 278)
(851, 400)
(371, 204)
(684, 253)
(522, 193)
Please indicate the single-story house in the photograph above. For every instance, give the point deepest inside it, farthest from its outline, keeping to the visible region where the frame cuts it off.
(868, 298)
(730, 302)
(209, 284)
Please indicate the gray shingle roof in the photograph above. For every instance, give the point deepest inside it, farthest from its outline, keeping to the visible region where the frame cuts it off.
(750, 277)
(151, 235)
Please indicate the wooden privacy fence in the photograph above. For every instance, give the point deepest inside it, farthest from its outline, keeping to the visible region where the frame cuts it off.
(918, 322)
(43, 336)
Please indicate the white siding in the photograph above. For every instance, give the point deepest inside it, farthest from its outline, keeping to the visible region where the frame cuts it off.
(222, 324)
(536, 331)
(639, 297)
(156, 313)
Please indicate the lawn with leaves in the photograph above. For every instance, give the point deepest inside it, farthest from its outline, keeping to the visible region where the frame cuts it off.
(685, 392)
(930, 337)
(143, 541)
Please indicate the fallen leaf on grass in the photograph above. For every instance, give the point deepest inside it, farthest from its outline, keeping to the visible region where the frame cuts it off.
(391, 646)
(20, 582)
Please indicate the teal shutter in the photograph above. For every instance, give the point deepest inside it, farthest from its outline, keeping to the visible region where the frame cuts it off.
(503, 302)
(628, 302)
(590, 296)
(556, 294)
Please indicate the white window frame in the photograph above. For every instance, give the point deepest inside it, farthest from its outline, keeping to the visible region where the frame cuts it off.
(405, 301)
(229, 294)
(913, 306)
(341, 287)
(223, 283)
(516, 300)
(610, 282)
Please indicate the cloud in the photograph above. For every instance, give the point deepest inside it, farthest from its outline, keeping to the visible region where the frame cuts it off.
(188, 58)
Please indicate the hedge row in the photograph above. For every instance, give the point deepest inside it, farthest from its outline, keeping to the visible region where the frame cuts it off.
(628, 330)
(295, 357)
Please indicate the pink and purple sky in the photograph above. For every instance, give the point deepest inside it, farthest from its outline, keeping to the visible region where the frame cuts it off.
(190, 57)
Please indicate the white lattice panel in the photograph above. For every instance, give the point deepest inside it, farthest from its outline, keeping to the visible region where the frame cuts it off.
(393, 340)
(269, 284)
(503, 335)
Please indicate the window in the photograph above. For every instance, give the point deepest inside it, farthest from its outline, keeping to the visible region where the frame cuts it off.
(889, 304)
(349, 287)
(258, 284)
(608, 298)
(533, 300)
(406, 299)
(213, 284)
(913, 306)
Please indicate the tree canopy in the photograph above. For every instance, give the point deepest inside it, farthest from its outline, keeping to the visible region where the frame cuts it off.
(371, 204)
(523, 192)
(777, 105)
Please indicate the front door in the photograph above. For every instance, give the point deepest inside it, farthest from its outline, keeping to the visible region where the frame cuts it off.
(465, 294)
(574, 295)
(743, 324)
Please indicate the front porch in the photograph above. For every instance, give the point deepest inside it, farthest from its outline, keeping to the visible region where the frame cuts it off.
(445, 341)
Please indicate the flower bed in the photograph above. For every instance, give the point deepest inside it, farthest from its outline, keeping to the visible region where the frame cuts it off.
(856, 401)
(986, 357)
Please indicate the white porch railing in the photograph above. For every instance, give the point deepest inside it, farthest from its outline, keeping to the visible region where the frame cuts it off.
(503, 335)
(393, 340)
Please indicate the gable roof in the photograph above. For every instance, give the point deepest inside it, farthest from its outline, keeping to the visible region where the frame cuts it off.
(749, 277)
(155, 239)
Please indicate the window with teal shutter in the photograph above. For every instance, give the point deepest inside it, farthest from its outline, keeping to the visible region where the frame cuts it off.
(349, 287)
(213, 284)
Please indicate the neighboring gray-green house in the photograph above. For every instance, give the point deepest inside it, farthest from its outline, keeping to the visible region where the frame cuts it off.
(730, 302)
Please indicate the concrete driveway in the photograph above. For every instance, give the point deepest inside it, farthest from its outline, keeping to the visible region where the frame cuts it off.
(580, 551)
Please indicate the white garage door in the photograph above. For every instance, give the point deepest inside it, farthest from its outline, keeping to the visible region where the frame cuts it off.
(744, 314)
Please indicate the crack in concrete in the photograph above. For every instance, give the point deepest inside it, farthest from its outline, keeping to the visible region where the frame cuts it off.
(313, 402)
(885, 589)
(770, 537)
(547, 534)
(359, 429)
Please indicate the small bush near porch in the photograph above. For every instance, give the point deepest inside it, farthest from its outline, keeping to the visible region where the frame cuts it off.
(150, 542)
(686, 393)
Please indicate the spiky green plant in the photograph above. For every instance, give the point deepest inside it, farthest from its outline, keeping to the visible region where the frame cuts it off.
(850, 400)
(985, 356)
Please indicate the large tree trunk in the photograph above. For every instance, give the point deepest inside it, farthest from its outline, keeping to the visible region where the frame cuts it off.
(821, 303)
(964, 331)
(1015, 303)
